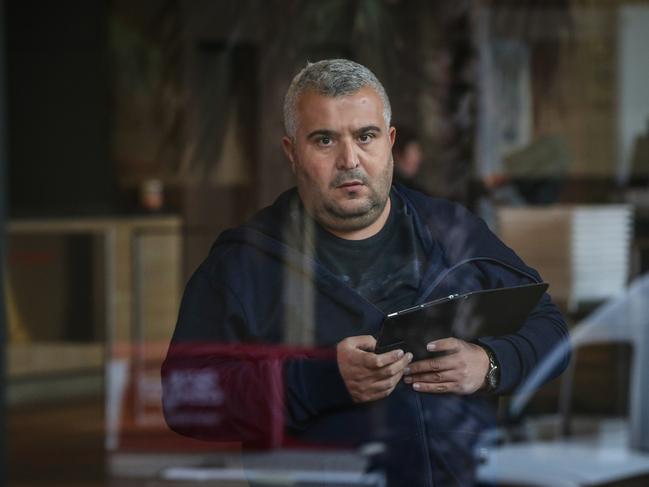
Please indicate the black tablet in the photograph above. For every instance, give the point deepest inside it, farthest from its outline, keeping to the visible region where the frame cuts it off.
(489, 312)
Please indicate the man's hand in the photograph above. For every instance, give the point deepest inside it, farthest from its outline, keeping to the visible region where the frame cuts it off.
(369, 376)
(461, 370)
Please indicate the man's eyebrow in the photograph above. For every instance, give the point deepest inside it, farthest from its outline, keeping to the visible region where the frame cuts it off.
(367, 128)
(332, 133)
(321, 132)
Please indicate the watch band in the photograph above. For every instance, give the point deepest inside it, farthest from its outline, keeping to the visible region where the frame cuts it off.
(493, 373)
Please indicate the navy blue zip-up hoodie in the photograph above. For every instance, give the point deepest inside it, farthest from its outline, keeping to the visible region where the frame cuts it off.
(229, 375)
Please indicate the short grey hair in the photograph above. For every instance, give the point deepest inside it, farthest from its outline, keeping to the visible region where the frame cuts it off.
(334, 78)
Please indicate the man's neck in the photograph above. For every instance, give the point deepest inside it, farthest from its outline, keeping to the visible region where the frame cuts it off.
(368, 231)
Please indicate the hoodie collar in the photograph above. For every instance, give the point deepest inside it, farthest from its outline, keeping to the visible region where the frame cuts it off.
(460, 237)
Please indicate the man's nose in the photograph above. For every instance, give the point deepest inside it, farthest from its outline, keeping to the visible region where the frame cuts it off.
(347, 157)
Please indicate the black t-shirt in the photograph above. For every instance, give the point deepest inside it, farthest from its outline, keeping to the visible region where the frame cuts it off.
(386, 268)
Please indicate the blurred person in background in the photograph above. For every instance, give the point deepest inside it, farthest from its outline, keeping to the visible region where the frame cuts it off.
(408, 156)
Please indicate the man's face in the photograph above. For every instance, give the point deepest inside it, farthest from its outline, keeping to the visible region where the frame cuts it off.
(341, 156)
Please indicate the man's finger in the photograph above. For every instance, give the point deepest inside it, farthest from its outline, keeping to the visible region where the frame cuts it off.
(374, 361)
(431, 365)
(435, 377)
(439, 388)
(397, 367)
(385, 386)
(448, 345)
(362, 342)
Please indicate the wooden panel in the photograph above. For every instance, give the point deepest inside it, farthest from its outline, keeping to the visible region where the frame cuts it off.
(542, 238)
(157, 241)
(51, 358)
(158, 289)
(36, 271)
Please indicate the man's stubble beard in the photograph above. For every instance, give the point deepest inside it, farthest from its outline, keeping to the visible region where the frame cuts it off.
(333, 216)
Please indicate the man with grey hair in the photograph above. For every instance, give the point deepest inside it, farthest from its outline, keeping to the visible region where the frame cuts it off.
(326, 263)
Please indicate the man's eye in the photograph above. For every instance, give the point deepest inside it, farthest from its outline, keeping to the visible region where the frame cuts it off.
(365, 138)
(324, 141)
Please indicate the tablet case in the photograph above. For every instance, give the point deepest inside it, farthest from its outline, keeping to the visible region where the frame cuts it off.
(489, 312)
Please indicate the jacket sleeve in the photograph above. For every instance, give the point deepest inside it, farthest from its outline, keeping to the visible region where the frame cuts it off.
(222, 383)
(543, 334)
(313, 387)
(214, 388)
(466, 238)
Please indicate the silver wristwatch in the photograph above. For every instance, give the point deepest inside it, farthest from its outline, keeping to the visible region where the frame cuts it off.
(493, 373)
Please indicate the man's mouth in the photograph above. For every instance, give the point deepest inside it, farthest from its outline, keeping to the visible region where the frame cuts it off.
(351, 184)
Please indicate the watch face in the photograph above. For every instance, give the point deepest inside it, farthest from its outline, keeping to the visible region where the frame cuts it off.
(492, 373)
(492, 376)
(492, 379)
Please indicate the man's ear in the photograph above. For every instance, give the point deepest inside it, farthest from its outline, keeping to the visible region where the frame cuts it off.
(287, 145)
(392, 134)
